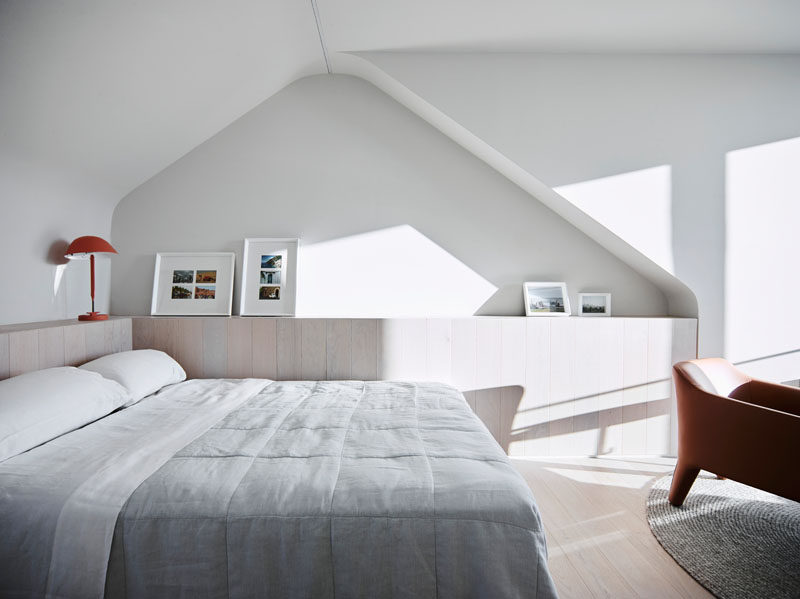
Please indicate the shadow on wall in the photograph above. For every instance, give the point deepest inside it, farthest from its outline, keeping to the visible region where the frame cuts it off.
(56, 257)
(497, 408)
(385, 205)
(610, 429)
(399, 272)
(779, 368)
(56, 252)
(761, 242)
(649, 145)
(617, 428)
(642, 208)
(580, 376)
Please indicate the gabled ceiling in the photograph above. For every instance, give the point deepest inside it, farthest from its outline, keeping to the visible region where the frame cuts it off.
(115, 90)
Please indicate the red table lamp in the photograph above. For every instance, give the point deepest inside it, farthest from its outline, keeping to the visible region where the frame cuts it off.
(79, 249)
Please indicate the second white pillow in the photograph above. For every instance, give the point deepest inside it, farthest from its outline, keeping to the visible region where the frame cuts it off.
(141, 371)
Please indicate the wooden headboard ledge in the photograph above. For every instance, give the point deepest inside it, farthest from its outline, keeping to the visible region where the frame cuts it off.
(37, 345)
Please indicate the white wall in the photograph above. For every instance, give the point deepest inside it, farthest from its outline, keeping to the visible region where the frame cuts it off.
(762, 278)
(96, 97)
(363, 182)
(41, 211)
(604, 131)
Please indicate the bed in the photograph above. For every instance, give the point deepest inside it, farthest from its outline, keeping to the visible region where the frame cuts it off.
(257, 488)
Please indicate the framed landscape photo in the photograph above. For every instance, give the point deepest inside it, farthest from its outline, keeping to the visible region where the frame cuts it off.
(193, 284)
(269, 277)
(594, 304)
(546, 299)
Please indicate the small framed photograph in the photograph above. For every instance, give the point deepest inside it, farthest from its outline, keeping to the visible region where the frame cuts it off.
(269, 277)
(546, 299)
(269, 293)
(270, 261)
(188, 284)
(594, 304)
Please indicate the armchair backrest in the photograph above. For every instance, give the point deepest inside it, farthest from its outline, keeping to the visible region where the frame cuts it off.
(713, 375)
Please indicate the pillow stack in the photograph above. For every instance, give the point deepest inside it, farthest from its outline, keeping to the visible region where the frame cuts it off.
(39, 406)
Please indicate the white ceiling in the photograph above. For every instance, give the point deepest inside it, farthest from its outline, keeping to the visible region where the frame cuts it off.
(115, 90)
(702, 26)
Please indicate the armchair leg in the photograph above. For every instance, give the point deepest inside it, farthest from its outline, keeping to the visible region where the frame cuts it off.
(682, 481)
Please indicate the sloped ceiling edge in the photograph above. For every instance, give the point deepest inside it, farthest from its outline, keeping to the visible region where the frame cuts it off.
(681, 300)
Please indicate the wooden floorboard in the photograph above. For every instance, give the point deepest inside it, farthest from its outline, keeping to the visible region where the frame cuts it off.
(599, 542)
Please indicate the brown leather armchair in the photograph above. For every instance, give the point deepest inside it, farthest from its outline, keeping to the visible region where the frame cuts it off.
(737, 427)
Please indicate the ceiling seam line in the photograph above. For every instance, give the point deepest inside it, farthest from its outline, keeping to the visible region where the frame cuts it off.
(321, 39)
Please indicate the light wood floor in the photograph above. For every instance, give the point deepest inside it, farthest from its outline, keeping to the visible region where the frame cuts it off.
(598, 539)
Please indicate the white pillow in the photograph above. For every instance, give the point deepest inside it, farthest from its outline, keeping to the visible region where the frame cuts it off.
(38, 406)
(141, 371)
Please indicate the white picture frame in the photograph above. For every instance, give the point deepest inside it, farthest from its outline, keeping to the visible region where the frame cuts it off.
(546, 298)
(589, 303)
(193, 284)
(269, 277)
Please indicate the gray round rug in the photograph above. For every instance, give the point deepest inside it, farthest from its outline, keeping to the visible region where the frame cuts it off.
(733, 539)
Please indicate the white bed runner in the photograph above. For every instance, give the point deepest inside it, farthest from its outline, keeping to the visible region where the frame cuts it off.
(115, 455)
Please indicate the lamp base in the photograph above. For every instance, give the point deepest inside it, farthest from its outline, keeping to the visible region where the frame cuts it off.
(93, 316)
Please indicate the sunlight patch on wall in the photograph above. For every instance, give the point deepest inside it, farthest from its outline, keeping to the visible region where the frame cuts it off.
(391, 272)
(762, 284)
(58, 274)
(636, 206)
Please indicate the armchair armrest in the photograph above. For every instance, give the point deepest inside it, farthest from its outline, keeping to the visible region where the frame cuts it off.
(769, 395)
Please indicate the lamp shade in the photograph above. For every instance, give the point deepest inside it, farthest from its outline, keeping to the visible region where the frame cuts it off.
(89, 244)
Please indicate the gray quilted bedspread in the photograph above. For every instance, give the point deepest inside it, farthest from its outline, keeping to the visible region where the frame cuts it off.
(335, 489)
